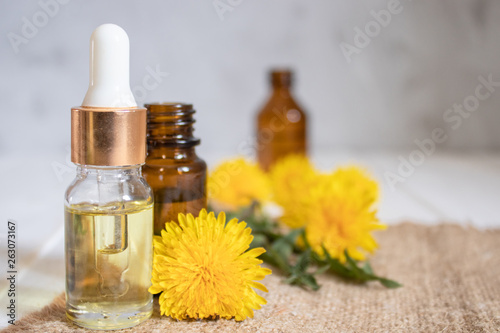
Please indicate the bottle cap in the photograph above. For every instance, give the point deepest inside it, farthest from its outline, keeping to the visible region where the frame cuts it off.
(108, 129)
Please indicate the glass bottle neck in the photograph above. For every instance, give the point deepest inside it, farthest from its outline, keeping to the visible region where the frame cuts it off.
(159, 151)
(281, 80)
(282, 90)
(108, 172)
(170, 125)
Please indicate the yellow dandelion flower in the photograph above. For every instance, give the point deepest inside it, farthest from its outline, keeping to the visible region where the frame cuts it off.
(236, 183)
(202, 270)
(291, 179)
(356, 182)
(340, 220)
(291, 176)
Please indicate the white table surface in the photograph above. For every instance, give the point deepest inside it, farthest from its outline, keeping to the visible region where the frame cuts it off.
(460, 188)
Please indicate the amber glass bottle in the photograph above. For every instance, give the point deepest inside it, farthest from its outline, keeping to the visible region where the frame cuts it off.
(281, 124)
(173, 170)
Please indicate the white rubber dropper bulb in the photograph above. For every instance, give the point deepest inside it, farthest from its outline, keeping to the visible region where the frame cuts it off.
(109, 84)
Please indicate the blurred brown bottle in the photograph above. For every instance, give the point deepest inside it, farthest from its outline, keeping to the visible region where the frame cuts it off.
(281, 124)
(175, 173)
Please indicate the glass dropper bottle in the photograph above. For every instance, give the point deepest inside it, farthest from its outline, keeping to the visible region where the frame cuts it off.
(109, 206)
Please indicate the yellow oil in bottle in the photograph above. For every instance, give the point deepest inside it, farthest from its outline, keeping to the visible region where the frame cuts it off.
(108, 264)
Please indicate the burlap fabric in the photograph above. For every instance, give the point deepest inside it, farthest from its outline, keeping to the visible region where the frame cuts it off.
(451, 278)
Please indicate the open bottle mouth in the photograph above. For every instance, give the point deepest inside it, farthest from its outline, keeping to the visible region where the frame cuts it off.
(171, 124)
(281, 77)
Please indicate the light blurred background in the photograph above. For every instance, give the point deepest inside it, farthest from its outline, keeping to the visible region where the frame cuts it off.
(394, 91)
(369, 109)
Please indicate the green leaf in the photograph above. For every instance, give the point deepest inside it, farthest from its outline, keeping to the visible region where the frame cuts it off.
(283, 248)
(303, 261)
(309, 281)
(321, 270)
(279, 260)
(259, 240)
(291, 237)
(335, 265)
(390, 283)
(367, 268)
(359, 274)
